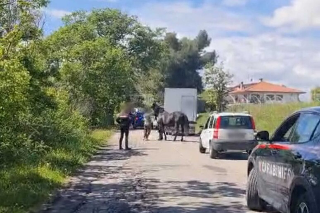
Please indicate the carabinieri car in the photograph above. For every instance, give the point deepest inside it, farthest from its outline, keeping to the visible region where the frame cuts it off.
(284, 170)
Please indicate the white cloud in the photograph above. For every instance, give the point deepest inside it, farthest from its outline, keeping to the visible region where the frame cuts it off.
(299, 14)
(56, 13)
(232, 3)
(187, 20)
(279, 59)
(275, 57)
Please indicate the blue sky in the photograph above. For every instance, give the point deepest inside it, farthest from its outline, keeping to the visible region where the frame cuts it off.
(278, 40)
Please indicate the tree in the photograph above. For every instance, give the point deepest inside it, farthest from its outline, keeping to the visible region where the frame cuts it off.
(102, 58)
(172, 41)
(22, 75)
(315, 94)
(217, 80)
(186, 58)
(209, 97)
(203, 40)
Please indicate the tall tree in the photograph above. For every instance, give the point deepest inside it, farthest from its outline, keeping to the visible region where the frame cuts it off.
(217, 81)
(187, 57)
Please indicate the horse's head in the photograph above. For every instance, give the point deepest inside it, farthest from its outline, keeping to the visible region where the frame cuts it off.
(154, 106)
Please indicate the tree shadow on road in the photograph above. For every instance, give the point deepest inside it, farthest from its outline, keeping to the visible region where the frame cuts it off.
(195, 196)
(93, 183)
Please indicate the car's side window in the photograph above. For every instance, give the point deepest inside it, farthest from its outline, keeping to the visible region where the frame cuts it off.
(211, 122)
(304, 128)
(283, 133)
(316, 133)
(207, 123)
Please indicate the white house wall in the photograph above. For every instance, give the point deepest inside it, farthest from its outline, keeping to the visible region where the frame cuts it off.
(287, 97)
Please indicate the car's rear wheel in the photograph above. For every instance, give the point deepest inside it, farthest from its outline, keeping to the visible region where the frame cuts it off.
(254, 202)
(201, 148)
(212, 152)
(304, 204)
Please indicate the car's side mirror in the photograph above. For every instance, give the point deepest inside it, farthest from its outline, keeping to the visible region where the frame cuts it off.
(262, 135)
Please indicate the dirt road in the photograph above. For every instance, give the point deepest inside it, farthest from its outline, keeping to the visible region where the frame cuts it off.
(156, 177)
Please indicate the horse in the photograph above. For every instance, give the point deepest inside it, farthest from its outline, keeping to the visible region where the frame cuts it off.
(156, 110)
(176, 119)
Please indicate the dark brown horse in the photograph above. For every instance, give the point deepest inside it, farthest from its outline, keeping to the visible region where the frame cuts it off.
(156, 110)
(176, 120)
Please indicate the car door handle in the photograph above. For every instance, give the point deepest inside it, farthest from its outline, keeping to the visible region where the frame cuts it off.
(297, 156)
(274, 152)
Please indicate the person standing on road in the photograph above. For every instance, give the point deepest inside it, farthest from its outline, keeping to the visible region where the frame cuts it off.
(147, 125)
(124, 121)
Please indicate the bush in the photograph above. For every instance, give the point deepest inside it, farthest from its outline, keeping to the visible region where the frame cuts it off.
(37, 155)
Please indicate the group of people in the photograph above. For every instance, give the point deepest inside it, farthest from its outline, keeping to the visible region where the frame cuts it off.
(124, 119)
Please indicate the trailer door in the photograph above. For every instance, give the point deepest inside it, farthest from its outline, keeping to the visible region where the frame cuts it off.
(188, 107)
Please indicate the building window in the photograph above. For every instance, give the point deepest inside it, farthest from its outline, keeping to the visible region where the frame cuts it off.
(270, 98)
(255, 98)
(279, 97)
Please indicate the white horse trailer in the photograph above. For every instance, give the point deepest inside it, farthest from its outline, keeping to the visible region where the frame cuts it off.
(184, 100)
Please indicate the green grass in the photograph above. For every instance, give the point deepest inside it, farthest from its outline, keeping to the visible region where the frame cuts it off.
(201, 121)
(267, 117)
(24, 187)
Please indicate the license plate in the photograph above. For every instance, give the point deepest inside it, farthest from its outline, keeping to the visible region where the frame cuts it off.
(236, 135)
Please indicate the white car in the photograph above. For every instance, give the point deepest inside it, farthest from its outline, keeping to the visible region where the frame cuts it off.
(227, 131)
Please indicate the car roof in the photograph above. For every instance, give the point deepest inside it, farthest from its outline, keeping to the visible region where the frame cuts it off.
(310, 109)
(230, 114)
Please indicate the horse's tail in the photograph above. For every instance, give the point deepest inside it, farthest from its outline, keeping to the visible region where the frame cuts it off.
(186, 125)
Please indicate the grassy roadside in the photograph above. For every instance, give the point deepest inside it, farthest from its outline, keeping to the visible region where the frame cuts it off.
(25, 186)
(267, 117)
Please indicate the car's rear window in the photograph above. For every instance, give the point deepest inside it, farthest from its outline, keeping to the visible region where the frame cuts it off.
(236, 122)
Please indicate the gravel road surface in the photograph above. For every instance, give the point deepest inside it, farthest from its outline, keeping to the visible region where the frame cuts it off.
(155, 176)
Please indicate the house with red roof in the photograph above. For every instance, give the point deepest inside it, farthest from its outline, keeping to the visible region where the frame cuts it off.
(263, 92)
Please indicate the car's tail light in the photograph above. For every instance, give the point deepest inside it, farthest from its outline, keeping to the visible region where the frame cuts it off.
(216, 128)
(253, 124)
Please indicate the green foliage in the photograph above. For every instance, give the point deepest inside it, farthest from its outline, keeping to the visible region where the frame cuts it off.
(209, 96)
(217, 81)
(315, 94)
(43, 137)
(186, 58)
(101, 55)
(25, 186)
(201, 121)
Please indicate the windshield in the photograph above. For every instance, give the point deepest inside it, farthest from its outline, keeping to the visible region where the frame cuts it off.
(236, 122)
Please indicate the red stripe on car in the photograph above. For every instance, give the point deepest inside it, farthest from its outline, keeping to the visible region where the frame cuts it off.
(273, 146)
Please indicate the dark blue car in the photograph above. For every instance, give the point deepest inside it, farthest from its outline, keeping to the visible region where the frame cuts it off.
(284, 170)
(138, 118)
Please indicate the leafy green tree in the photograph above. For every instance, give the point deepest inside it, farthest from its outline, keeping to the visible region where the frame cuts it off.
(315, 94)
(101, 56)
(209, 96)
(217, 81)
(19, 90)
(187, 57)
